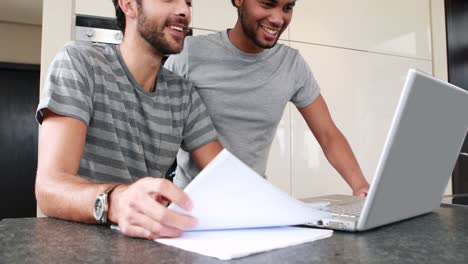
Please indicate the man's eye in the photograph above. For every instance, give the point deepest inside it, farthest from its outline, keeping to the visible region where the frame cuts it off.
(189, 3)
(288, 8)
(268, 4)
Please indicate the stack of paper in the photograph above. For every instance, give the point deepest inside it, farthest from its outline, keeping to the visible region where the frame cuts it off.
(228, 194)
(237, 205)
(236, 243)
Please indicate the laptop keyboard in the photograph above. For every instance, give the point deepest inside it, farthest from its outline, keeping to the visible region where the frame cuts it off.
(349, 210)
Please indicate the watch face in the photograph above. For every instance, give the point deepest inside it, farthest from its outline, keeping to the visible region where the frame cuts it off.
(98, 209)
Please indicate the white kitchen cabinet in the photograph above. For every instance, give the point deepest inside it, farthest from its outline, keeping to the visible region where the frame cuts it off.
(362, 90)
(398, 27)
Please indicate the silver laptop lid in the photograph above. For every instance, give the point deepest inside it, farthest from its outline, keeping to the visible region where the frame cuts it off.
(420, 152)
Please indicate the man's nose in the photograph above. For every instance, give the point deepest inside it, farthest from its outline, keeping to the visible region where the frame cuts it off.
(276, 18)
(183, 9)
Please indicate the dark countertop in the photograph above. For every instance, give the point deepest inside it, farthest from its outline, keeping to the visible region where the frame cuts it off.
(439, 237)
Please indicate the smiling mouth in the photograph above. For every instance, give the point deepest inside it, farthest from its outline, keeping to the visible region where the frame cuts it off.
(177, 28)
(270, 31)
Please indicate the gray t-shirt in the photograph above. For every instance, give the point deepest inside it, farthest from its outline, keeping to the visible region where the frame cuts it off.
(132, 133)
(245, 94)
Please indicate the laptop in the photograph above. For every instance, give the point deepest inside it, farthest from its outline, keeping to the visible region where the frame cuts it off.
(420, 152)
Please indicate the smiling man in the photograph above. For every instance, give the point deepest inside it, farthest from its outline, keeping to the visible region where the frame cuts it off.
(246, 79)
(112, 120)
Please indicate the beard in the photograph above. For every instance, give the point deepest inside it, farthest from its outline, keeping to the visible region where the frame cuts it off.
(251, 32)
(154, 35)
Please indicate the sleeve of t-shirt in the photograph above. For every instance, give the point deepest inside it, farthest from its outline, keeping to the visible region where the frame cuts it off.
(306, 87)
(178, 63)
(68, 86)
(198, 129)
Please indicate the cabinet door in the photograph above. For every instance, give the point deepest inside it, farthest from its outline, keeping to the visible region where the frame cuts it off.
(101, 8)
(213, 15)
(19, 96)
(397, 27)
(457, 44)
(362, 90)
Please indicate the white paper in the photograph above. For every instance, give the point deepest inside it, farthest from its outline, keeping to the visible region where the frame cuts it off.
(229, 244)
(228, 194)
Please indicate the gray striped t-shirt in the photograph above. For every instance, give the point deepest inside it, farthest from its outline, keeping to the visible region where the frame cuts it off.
(131, 133)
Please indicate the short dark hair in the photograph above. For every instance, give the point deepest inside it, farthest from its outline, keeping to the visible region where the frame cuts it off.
(119, 16)
(233, 3)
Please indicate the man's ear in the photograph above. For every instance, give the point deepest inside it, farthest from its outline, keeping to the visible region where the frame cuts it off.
(129, 8)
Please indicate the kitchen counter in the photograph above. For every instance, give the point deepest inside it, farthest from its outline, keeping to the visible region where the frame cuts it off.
(438, 237)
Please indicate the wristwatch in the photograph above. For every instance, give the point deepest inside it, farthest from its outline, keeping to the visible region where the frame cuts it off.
(101, 205)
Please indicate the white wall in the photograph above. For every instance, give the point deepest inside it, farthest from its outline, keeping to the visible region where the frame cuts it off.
(20, 43)
(359, 52)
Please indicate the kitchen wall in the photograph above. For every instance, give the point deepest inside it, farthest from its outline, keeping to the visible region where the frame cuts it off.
(359, 51)
(20, 43)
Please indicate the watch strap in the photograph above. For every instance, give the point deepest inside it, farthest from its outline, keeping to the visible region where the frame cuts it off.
(106, 207)
(111, 188)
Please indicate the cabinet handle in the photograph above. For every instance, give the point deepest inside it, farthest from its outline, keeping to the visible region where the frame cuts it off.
(464, 154)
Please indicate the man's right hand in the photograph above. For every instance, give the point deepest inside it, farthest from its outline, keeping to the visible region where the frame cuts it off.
(140, 209)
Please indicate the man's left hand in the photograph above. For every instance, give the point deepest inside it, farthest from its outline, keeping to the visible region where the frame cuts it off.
(362, 191)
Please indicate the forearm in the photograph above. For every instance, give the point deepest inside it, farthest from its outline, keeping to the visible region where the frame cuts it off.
(338, 152)
(334, 145)
(207, 153)
(67, 196)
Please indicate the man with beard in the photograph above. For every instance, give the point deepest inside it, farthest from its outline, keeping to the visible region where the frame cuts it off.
(245, 80)
(112, 120)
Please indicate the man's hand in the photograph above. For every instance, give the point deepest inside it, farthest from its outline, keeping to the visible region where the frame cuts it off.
(140, 209)
(361, 191)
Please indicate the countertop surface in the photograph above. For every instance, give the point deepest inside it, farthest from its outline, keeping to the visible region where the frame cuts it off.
(438, 237)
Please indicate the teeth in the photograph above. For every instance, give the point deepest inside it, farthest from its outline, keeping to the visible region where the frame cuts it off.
(177, 28)
(270, 31)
